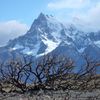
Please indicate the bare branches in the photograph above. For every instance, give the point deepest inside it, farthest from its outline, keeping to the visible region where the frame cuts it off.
(49, 72)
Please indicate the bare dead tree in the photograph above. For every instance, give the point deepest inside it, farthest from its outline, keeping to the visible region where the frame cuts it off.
(48, 72)
(86, 77)
(14, 73)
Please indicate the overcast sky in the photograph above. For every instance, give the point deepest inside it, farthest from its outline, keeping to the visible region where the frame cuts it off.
(16, 16)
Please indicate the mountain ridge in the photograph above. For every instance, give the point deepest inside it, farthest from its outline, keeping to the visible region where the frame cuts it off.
(48, 35)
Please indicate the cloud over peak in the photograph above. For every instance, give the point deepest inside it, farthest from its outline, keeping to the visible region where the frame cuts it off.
(10, 30)
(87, 11)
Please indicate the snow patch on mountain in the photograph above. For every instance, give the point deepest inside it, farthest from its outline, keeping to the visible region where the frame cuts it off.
(97, 43)
(51, 45)
(81, 50)
(68, 43)
(16, 47)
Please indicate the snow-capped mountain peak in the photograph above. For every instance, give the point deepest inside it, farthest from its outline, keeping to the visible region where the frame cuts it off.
(46, 23)
(48, 35)
(42, 38)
